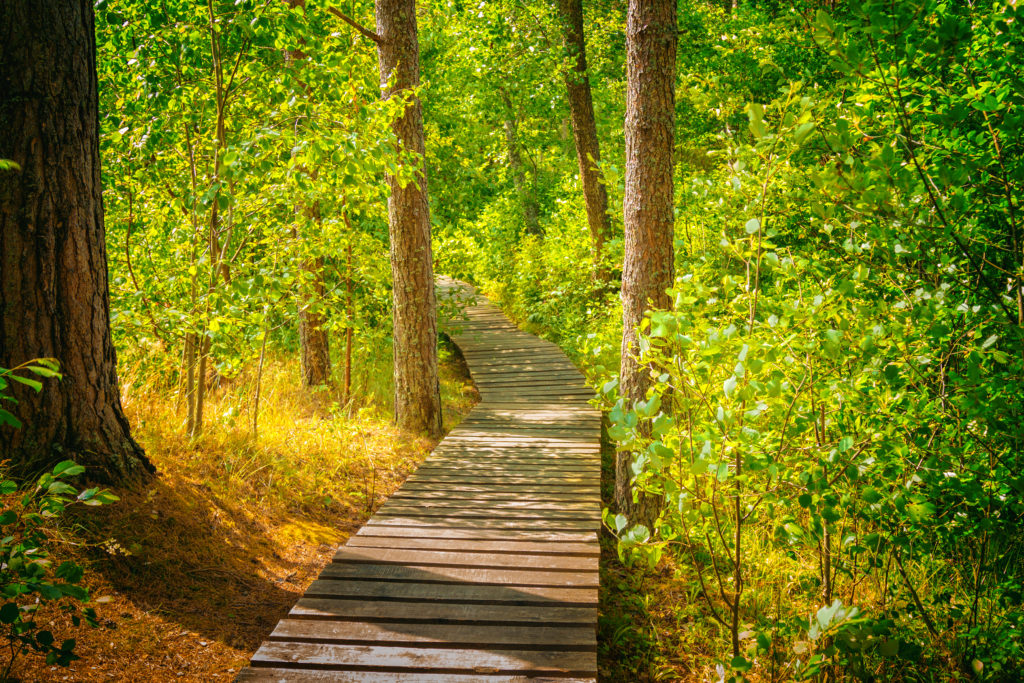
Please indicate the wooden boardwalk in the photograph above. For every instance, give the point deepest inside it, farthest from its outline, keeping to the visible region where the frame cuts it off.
(483, 566)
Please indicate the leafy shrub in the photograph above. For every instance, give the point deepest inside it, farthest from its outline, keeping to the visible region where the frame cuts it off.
(28, 581)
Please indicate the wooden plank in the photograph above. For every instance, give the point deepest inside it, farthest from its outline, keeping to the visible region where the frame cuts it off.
(589, 506)
(485, 524)
(418, 530)
(485, 443)
(498, 496)
(528, 423)
(514, 504)
(265, 674)
(459, 593)
(453, 635)
(515, 452)
(531, 426)
(476, 546)
(324, 608)
(496, 487)
(510, 509)
(412, 508)
(566, 457)
(431, 558)
(521, 366)
(484, 576)
(427, 660)
(512, 394)
(397, 509)
(484, 446)
(547, 469)
(518, 455)
(486, 477)
(540, 408)
(562, 381)
(517, 481)
(493, 433)
(552, 469)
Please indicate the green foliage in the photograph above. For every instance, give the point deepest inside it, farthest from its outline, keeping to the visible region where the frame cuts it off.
(243, 180)
(28, 581)
(825, 389)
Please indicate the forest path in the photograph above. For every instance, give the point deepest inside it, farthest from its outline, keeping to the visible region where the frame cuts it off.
(483, 566)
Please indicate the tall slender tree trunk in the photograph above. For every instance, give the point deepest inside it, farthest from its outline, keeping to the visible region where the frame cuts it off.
(313, 338)
(54, 299)
(524, 190)
(417, 392)
(584, 129)
(314, 341)
(648, 209)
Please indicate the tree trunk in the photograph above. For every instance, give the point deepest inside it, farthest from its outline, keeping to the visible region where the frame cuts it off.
(417, 392)
(648, 215)
(316, 350)
(350, 311)
(54, 300)
(524, 191)
(313, 338)
(584, 129)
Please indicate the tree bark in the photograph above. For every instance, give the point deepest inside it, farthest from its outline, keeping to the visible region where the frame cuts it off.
(417, 392)
(524, 190)
(54, 299)
(648, 269)
(313, 339)
(584, 129)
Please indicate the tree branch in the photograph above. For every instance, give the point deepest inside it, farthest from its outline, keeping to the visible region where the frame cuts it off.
(356, 25)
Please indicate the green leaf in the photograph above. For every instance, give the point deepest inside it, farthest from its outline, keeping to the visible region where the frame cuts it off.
(740, 663)
(8, 419)
(870, 495)
(43, 371)
(802, 131)
(752, 226)
(68, 468)
(9, 613)
(27, 381)
(60, 487)
(919, 512)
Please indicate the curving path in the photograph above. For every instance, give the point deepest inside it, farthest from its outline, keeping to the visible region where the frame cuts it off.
(483, 566)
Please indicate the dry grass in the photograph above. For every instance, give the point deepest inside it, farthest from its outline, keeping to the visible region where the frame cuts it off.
(196, 568)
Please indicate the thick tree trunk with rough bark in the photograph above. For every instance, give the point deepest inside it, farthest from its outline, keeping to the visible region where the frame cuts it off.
(54, 300)
(417, 392)
(648, 210)
(584, 129)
